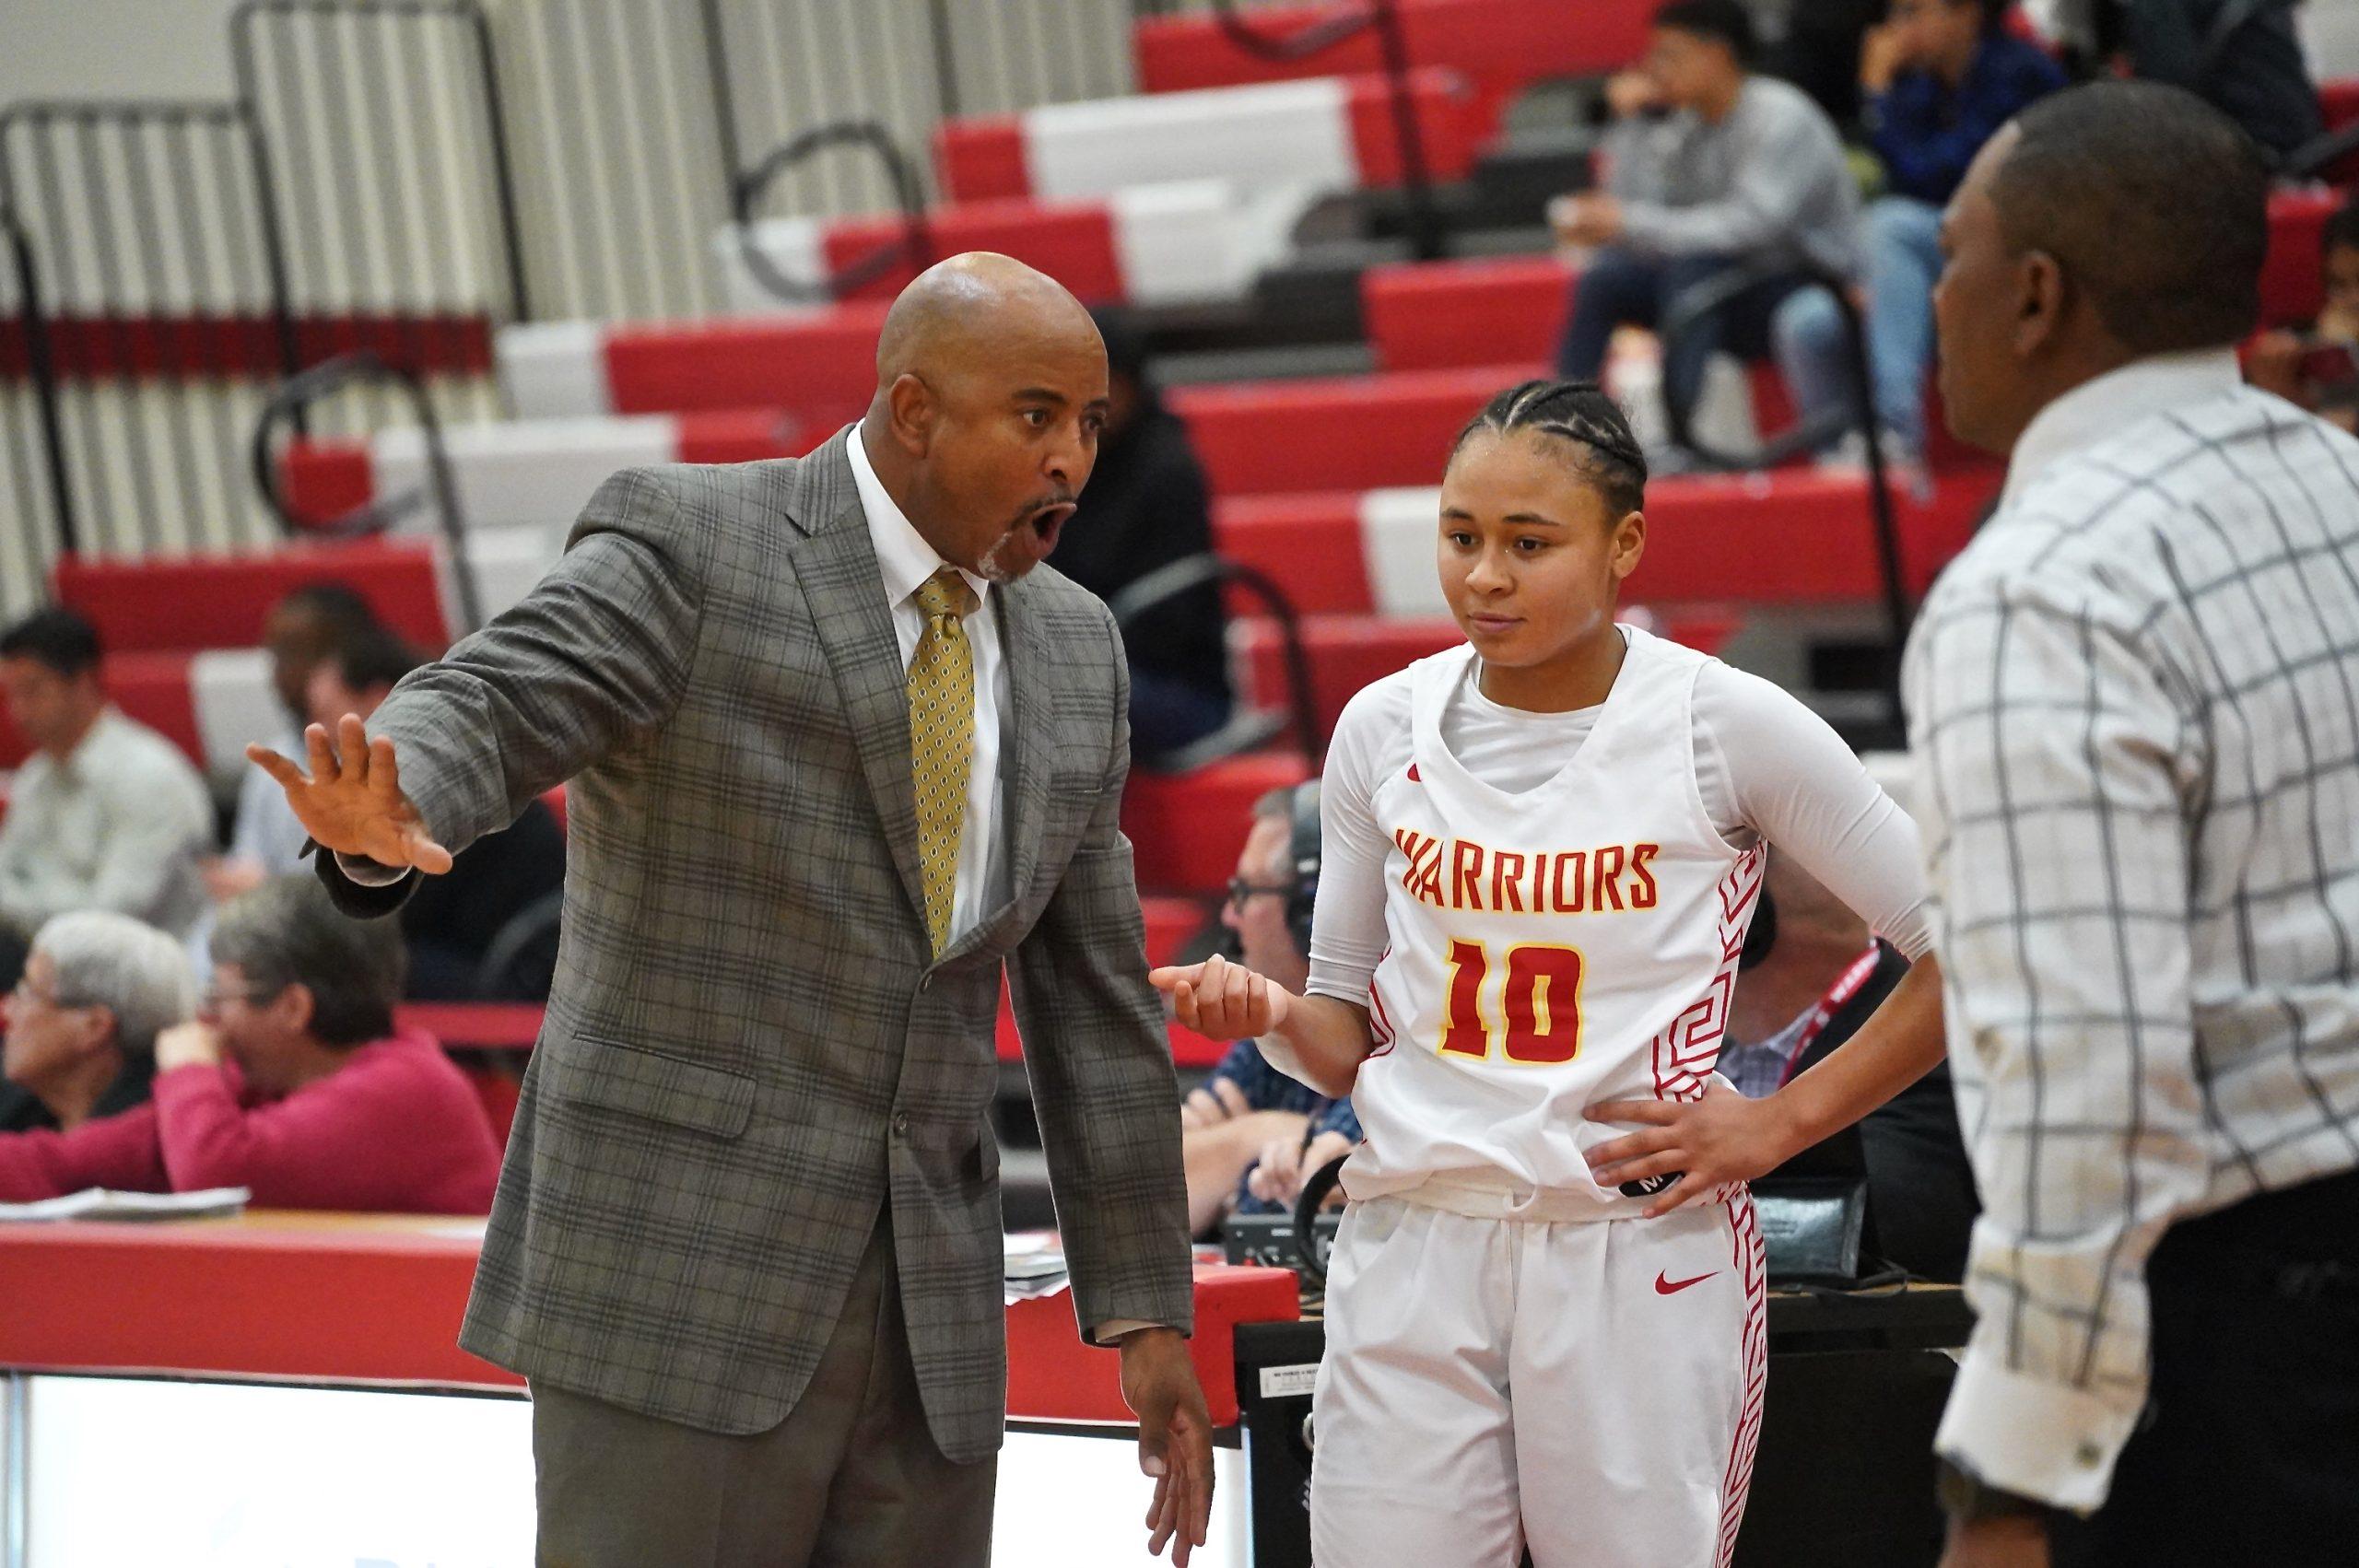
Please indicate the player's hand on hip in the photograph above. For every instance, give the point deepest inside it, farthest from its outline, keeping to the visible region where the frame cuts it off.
(1175, 1438)
(1709, 1143)
(351, 801)
(1221, 1001)
(1288, 1163)
(1218, 1101)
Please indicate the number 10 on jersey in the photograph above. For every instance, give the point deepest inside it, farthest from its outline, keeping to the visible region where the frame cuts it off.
(1538, 1002)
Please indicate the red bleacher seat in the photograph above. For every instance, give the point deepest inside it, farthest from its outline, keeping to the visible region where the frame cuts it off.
(1186, 829)
(2339, 105)
(2293, 279)
(196, 602)
(1498, 310)
(155, 689)
(1791, 538)
(990, 157)
(1507, 43)
(1333, 432)
(821, 367)
(539, 472)
(1348, 653)
(1072, 241)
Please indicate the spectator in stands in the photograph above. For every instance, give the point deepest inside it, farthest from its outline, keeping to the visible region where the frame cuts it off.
(1940, 77)
(455, 922)
(82, 1022)
(294, 1084)
(1811, 975)
(106, 813)
(2244, 58)
(1709, 167)
(2319, 369)
(1819, 53)
(266, 840)
(1146, 506)
(1250, 1136)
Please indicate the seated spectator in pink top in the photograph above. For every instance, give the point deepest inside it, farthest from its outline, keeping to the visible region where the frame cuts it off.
(293, 1083)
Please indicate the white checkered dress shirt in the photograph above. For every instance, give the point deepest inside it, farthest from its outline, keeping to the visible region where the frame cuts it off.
(2134, 703)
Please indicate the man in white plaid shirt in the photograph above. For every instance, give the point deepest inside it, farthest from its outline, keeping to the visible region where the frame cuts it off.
(2135, 705)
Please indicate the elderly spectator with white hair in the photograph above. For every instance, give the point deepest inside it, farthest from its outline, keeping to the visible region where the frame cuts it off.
(293, 1081)
(97, 990)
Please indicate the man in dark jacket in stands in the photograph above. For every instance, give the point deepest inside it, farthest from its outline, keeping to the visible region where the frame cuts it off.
(2244, 58)
(1147, 507)
(455, 922)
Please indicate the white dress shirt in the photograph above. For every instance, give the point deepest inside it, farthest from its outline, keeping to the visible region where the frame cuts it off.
(2131, 698)
(905, 561)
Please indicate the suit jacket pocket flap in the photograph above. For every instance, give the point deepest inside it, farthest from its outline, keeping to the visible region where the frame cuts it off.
(649, 1083)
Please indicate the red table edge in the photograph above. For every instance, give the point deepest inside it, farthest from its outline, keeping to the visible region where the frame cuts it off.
(516, 1025)
(278, 1306)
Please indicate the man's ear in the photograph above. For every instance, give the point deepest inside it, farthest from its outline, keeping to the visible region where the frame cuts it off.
(300, 1006)
(98, 1030)
(913, 410)
(2042, 295)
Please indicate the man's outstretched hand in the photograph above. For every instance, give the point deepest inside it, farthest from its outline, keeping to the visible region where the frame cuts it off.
(352, 801)
(1221, 1001)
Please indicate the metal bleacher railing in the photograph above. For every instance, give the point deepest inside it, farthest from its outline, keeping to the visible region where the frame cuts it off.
(1686, 315)
(289, 406)
(913, 246)
(405, 176)
(1247, 727)
(149, 263)
(1425, 229)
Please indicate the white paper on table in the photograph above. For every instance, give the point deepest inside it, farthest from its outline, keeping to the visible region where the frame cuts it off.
(105, 1203)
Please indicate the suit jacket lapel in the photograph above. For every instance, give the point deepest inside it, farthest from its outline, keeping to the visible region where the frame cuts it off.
(835, 567)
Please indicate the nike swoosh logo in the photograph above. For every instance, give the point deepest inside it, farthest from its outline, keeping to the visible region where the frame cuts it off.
(1664, 1287)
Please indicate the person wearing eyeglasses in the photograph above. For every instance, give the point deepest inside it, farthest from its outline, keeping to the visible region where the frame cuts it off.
(82, 1021)
(1249, 1135)
(293, 1080)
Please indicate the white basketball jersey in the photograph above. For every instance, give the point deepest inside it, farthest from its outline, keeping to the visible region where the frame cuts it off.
(1550, 950)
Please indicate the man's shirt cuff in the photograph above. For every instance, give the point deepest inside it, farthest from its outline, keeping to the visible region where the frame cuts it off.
(362, 871)
(2032, 1437)
(1111, 1331)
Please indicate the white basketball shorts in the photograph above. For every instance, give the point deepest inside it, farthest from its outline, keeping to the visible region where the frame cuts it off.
(1590, 1387)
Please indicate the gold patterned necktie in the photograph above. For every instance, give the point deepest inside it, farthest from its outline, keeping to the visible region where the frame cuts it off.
(942, 738)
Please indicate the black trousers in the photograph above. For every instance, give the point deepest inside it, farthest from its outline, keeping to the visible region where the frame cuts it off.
(2248, 1449)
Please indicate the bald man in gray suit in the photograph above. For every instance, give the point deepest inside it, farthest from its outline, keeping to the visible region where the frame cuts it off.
(841, 750)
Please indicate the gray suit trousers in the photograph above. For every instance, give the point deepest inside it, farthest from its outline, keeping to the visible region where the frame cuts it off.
(851, 1478)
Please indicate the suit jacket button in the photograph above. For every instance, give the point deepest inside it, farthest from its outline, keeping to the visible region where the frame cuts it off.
(900, 1125)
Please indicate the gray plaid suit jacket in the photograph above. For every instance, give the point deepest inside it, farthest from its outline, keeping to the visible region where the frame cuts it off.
(748, 1050)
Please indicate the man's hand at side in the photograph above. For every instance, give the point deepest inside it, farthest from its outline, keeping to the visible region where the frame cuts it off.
(352, 802)
(1997, 1543)
(1175, 1438)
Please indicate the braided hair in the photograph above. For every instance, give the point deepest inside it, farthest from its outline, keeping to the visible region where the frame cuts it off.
(1581, 412)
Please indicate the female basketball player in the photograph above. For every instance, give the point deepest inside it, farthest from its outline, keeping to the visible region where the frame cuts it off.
(1541, 850)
